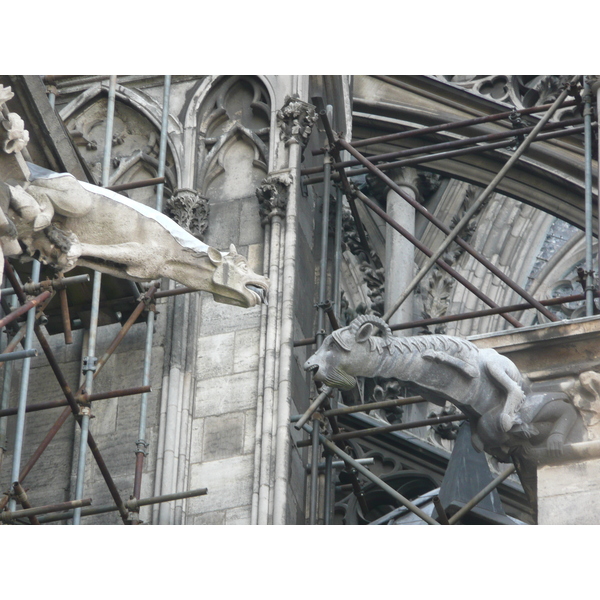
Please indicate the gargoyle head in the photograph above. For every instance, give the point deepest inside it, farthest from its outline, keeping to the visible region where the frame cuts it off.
(349, 352)
(234, 282)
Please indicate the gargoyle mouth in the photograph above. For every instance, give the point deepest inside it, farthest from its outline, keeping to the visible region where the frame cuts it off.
(312, 369)
(258, 291)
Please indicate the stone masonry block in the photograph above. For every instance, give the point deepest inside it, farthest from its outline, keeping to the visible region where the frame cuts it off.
(220, 395)
(245, 354)
(217, 318)
(215, 354)
(229, 484)
(223, 436)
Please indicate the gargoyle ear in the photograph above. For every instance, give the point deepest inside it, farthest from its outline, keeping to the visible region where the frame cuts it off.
(232, 250)
(216, 258)
(364, 333)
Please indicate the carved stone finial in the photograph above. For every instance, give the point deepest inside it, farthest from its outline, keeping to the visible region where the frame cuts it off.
(273, 196)
(296, 119)
(189, 210)
(6, 94)
(13, 135)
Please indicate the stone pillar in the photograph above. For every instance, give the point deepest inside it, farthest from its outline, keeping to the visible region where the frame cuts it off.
(399, 252)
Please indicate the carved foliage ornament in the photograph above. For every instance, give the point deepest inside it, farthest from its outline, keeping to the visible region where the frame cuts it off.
(189, 210)
(13, 135)
(296, 119)
(273, 196)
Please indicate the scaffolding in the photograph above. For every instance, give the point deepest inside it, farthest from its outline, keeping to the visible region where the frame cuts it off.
(78, 403)
(319, 420)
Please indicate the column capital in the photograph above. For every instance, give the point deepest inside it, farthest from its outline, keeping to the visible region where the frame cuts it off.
(421, 183)
(273, 195)
(189, 209)
(296, 119)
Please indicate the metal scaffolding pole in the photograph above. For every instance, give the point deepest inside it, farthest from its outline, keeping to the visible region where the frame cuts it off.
(460, 143)
(439, 261)
(20, 425)
(373, 478)
(421, 160)
(589, 259)
(475, 206)
(451, 125)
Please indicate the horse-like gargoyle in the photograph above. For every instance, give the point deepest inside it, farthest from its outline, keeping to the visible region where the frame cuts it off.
(506, 418)
(65, 223)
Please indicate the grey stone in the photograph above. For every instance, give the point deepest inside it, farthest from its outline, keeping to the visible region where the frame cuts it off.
(223, 436)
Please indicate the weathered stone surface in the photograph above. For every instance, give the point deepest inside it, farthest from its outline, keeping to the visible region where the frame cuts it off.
(218, 395)
(221, 318)
(245, 355)
(229, 484)
(209, 518)
(239, 516)
(215, 355)
(569, 494)
(223, 436)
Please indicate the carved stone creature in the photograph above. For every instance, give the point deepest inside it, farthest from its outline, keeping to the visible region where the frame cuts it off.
(487, 387)
(64, 223)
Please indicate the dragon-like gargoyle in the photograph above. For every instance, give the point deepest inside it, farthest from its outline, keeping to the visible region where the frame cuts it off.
(65, 223)
(506, 418)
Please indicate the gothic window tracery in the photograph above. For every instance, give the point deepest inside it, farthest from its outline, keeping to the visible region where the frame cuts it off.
(233, 138)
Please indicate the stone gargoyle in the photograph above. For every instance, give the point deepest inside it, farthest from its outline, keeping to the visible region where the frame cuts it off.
(66, 223)
(507, 419)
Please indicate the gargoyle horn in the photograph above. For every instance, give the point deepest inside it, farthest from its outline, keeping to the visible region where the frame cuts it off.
(362, 328)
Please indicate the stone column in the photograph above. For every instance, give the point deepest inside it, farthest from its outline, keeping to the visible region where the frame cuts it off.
(399, 252)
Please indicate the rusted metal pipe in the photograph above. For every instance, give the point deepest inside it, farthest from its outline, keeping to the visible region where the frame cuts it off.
(326, 390)
(15, 314)
(126, 327)
(136, 184)
(75, 409)
(175, 292)
(40, 510)
(451, 125)
(7, 412)
(60, 283)
(374, 479)
(347, 410)
(442, 516)
(66, 390)
(490, 137)
(439, 261)
(471, 315)
(388, 428)
(452, 235)
(23, 500)
(345, 183)
(66, 317)
(420, 160)
(133, 504)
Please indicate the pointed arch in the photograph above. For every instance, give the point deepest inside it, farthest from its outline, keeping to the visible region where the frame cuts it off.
(146, 111)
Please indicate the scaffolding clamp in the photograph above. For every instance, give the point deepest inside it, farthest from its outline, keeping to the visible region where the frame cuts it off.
(90, 363)
(141, 446)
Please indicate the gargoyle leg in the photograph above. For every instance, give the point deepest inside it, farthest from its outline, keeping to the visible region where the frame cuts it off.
(514, 393)
(563, 416)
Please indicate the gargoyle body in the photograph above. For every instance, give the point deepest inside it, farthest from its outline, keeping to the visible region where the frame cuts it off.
(64, 223)
(506, 417)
